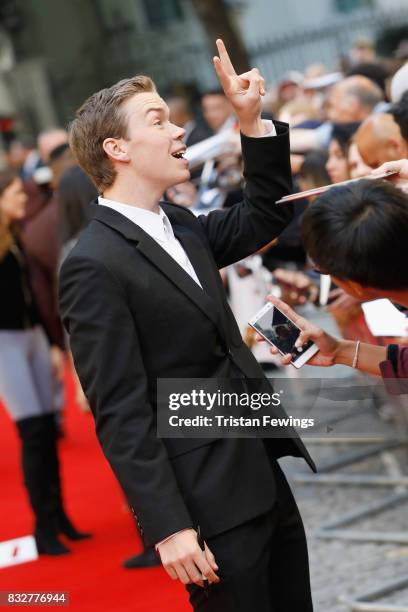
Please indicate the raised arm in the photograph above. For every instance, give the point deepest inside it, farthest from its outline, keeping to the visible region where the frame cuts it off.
(246, 227)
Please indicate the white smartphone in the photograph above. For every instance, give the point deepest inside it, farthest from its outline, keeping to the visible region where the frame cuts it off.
(280, 331)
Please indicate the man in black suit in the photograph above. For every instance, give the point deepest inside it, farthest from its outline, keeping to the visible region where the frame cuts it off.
(142, 299)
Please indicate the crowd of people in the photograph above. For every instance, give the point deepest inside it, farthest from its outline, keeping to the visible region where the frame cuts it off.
(343, 125)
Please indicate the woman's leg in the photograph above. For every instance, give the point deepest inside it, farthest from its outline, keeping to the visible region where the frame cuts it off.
(42, 375)
(17, 388)
(19, 392)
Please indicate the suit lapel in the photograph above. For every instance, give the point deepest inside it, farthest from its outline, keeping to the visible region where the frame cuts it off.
(165, 263)
(202, 264)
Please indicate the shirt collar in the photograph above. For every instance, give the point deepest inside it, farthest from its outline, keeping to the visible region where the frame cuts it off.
(157, 225)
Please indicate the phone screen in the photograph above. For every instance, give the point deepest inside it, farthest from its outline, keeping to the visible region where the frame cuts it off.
(281, 332)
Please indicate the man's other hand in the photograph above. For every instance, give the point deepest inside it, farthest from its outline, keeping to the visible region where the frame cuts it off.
(183, 559)
(244, 91)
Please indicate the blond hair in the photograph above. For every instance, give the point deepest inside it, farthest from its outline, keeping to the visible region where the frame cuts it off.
(101, 117)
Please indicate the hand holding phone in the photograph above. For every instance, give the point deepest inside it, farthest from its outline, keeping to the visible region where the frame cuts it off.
(280, 331)
(318, 347)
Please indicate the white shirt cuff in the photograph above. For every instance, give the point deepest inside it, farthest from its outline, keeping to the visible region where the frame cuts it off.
(269, 128)
(169, 538)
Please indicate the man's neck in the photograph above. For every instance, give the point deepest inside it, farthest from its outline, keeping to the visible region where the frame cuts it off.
(134, 193)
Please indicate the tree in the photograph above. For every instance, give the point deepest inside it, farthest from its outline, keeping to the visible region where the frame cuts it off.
(217, 20)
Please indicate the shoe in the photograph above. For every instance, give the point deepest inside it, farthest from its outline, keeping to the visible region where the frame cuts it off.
(147, 558)
(67, 529)
(63, 523)
(34, 458)
(49, 544)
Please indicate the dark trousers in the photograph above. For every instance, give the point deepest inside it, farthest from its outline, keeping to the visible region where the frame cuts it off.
(263, 563)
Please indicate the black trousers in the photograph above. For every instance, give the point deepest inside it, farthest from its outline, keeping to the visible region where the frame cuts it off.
(264, 565)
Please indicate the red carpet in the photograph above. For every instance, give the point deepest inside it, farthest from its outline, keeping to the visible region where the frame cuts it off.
(92, 573)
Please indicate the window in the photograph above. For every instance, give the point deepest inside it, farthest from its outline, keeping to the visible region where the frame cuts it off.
(160, 13)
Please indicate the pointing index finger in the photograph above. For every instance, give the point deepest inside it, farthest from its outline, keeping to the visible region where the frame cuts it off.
(225, 58)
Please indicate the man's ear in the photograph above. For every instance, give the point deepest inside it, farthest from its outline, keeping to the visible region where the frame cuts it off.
(116, 149)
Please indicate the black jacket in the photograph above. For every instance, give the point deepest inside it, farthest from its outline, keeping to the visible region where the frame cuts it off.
(134, 315)
(18, 309)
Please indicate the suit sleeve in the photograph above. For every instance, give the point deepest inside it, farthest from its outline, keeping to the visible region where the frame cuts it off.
(109, 363)
(237, 232)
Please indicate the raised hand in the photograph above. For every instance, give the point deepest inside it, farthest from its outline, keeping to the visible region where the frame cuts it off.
(244, 91)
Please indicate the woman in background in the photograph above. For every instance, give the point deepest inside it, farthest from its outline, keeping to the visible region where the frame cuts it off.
(26, 377)
(337, 164)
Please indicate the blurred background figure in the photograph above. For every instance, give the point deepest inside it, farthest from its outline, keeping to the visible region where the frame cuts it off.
(23, 157)
(49, 140)
(379, 140)
(357, 167)
(217, 111)
(337, 164)
(182, 115)
(362, 51)
(26, 378)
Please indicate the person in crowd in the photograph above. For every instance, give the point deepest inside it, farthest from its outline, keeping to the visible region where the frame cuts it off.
(23, 156)
(375, 71)
(357, 167)
(74, 192)
(400, 113)
(142, 287)
(399, 83)
(289, 87)
(313, 172)
(350, 100)
(26, 378)
(379, 140)
(217, 111)
(301, 113)
(337, 165)
(182, 115)
(362, 51)
(353, 99)
(39, 235)
(49, 140)
(357, 233)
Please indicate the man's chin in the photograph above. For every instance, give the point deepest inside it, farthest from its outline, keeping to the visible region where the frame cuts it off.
(182, 177)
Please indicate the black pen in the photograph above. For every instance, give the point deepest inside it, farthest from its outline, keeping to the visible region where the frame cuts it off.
(202, 546)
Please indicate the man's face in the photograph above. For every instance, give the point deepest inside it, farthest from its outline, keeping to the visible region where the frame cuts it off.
(342, 107)
(216, 110)
(153, 145)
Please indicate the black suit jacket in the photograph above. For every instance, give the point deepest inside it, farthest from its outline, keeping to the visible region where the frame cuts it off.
(134, 315)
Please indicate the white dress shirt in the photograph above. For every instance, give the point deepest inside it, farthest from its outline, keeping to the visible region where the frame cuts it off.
(158, 226)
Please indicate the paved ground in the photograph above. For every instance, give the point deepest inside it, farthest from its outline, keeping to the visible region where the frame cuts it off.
(343, 569)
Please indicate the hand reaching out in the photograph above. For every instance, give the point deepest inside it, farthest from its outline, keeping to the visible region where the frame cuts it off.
(328, 345)
(400, 166)
(244, 91)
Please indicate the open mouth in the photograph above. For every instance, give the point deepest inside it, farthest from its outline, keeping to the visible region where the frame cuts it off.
(179, 155)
